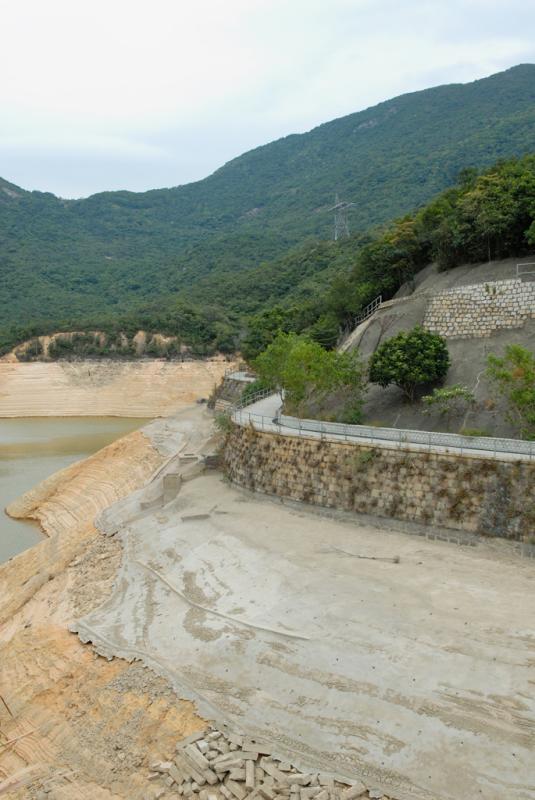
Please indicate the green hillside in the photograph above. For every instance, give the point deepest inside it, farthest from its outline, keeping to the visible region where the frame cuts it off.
(122, 254)
(320, 290)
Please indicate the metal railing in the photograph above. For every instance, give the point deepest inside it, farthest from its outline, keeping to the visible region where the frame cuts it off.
(366, 313)
(370, 309)
(520, 271)
(382, 437)
(251, 399)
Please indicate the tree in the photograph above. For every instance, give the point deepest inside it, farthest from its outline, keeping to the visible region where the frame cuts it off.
(308, 373)
(410, 360)
(450, 401)
(492, 209)
(513, 377)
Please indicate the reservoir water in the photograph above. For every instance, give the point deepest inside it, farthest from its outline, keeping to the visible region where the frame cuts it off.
(31, 449)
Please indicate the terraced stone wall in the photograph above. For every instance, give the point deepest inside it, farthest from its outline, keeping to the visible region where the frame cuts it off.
(474, 495)
(480, 309)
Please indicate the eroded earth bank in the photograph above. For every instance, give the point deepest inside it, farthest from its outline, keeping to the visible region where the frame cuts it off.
(143, 388)
(353, 650)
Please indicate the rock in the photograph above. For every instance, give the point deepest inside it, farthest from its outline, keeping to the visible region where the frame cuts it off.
(237, 790)
(354, 791)
(249, 774)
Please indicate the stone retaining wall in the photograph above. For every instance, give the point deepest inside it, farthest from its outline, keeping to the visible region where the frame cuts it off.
(476, 495)
(481, 309)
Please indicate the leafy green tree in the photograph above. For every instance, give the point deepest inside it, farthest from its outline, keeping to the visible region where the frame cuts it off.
(309, 374)
(410, 360)
(513, 377)
(492, 208)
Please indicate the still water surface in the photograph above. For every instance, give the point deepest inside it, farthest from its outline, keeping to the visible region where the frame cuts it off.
(32, 449)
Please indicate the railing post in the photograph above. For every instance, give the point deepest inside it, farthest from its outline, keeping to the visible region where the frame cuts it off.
(454, 442)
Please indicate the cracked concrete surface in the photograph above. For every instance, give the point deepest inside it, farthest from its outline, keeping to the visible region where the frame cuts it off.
(416, 676)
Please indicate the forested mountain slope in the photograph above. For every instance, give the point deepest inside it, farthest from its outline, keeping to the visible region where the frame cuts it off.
(115, 252)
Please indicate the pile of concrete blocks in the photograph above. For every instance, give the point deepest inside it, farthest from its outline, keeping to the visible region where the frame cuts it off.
(211, 765)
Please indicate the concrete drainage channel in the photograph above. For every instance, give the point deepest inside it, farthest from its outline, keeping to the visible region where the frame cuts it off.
(212, 765)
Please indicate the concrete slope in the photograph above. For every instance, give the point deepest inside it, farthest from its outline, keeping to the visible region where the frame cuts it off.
(413, 674)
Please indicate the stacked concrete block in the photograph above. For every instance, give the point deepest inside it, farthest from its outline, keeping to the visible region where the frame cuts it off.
(481, 309)
(439, 490)
(212, 765)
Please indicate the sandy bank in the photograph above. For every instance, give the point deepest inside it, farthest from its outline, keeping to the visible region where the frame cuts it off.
(79, 725)
(104, 388)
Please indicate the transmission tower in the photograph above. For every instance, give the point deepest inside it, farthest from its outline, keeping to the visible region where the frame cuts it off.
(341, 224)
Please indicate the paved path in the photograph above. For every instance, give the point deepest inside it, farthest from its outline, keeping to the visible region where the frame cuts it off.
(263, 414)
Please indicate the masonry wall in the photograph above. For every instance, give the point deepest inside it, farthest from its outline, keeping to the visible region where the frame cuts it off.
(465, 494)
(481, 309)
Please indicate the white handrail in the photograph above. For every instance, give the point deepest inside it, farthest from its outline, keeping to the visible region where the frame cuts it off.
(384, 437)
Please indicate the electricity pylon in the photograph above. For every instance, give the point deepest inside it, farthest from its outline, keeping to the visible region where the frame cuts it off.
(341, 224)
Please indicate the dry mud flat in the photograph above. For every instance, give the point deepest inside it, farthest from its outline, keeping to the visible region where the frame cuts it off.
(356, 652)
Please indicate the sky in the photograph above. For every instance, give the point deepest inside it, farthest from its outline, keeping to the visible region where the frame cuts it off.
(123, 94)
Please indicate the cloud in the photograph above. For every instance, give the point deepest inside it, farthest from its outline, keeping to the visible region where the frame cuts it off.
(115, 94)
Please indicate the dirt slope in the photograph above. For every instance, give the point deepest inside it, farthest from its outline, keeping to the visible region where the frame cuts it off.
(77, 724)
(104, 388)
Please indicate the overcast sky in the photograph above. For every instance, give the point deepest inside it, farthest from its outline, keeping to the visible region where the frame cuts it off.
(139, 94)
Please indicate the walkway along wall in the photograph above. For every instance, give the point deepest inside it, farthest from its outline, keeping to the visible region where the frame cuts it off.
(476, 495)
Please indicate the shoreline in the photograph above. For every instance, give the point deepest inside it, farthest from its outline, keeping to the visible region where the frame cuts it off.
(90, 441)
(42, 590)
(146, 548)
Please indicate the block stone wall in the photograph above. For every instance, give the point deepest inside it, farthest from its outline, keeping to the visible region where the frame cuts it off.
(481, 309)
(475, 495)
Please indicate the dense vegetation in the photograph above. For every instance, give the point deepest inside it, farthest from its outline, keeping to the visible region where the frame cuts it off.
(315, 380)
(485, 216)
(196, 260)
(513, 377)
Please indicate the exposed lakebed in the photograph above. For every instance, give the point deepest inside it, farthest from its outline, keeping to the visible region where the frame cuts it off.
(32, 449)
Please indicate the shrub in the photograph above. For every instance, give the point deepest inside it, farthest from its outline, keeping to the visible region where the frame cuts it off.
(513, 377)
(450, 400)
(254, 387)
(474, 432)
(410, 360)
(224, 423)
(32, 352)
